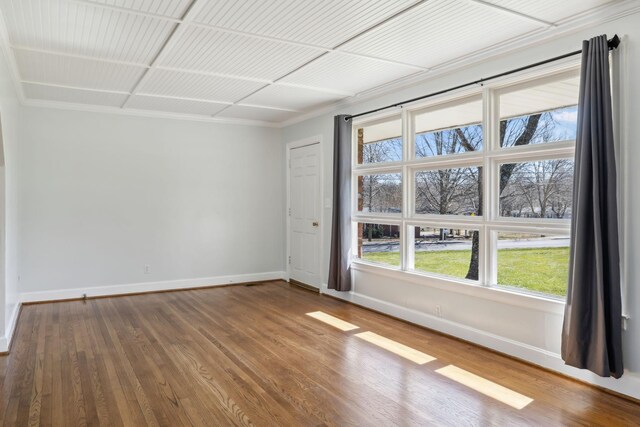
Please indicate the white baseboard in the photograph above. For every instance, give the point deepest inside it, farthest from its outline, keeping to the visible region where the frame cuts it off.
(5, 342)
(629, 384)
(133, 288)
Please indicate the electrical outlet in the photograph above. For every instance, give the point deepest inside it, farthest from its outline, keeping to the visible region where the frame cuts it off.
(147, 269)
(438, 310)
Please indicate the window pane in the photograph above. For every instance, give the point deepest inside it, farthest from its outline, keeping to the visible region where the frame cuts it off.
(535, 262)
(542, 189)
(447, 251)
(380, 142)
(450, 130)
(380, 193)
(379, 243)
(449, 191)
(540, 114)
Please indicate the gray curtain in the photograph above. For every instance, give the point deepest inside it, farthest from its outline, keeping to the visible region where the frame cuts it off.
(592, 330)
(339, 263)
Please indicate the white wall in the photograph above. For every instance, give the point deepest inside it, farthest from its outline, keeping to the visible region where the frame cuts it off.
(491, 318)
(9, 109)
(103, 195)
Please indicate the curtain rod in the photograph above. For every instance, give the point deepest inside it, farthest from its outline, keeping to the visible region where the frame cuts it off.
(613, 43)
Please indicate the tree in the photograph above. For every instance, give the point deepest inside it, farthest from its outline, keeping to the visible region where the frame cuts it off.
(448, 191)
(513, 132)
(381, 192)
(546, 184)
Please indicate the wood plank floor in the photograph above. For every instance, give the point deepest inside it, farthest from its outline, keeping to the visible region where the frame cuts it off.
(251, 356)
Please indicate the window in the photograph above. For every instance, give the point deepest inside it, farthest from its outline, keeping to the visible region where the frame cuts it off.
(380, 192)
(448, 130)
(481, 195)
(536, 262)
(537, 189)
(444, 251)
(379, 243)
(536, 114)
(449, 191)
(379, 142)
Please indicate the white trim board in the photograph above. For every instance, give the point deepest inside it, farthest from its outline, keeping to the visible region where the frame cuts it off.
(628, 385)
(133, 288)
(5, 342)
(36, 103)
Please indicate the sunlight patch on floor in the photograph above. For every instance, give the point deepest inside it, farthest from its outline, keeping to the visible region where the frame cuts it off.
(333, 321)
(486, 387)
(395, 347)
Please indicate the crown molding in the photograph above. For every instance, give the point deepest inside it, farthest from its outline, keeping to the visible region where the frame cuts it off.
(599, 15)
(144, 113)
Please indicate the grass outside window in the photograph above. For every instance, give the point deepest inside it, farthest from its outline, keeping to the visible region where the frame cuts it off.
(542, 270)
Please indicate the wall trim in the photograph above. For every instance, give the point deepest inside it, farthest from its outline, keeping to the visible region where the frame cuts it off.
(628, 385)
(41, 103)
(135, 288)
(5, 342)
(491, 293)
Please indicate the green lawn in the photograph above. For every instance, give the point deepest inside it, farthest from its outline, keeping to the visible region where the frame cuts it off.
(540, 269)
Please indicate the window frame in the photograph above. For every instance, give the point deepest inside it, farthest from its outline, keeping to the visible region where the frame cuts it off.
(489, 158)
(376, 171)
(440, 224)
(493, 268)
(377, 221)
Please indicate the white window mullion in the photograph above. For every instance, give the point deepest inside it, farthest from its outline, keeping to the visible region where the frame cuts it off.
(406, 190)
(486, 250)
(409, 232)
(407, 210)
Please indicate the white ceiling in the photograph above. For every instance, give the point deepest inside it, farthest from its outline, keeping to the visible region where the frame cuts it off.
(268, 60)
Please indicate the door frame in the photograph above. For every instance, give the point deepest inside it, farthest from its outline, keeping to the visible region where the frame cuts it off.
(312, 140)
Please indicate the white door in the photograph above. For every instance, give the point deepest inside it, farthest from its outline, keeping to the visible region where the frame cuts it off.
(304, 202)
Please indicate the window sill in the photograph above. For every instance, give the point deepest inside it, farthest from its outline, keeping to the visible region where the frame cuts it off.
(466, 287)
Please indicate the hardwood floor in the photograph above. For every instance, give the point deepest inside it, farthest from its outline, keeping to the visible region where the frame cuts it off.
(251, 356)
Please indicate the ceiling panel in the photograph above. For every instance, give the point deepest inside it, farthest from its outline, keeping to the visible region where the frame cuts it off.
(78, 72)
(291, 97)
(325, 23)
(221, 52)
(83, 29)
(440, 31)
(199, 86)
(549, 10)
(347, 73)
(171, 8)
(285, 54)
(76, 96)
(173, 105)
(253, 113)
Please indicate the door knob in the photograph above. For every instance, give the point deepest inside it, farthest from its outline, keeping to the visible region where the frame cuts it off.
(315, 223)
